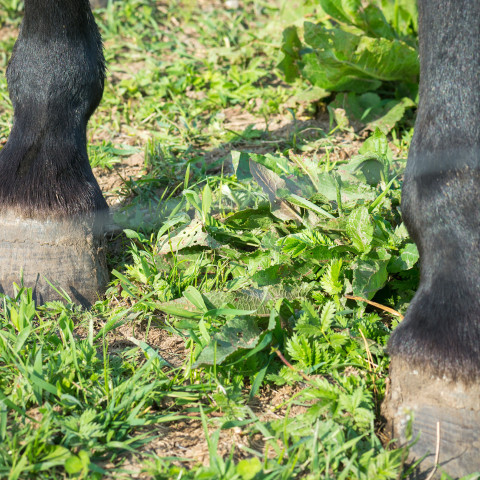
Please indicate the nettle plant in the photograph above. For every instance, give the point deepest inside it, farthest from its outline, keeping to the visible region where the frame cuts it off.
(261, 279)
(315, 233)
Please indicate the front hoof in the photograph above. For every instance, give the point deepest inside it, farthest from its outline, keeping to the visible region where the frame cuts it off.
(69, 253)
(443, 414)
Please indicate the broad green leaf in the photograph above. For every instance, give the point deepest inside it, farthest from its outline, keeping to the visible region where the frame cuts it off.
(409, 255)
(302, 202)
(133, 235)
(248, 468)
(351, 189)
(372, 111)
(206, 201)
(73, 465)
(407, 259)
(251, 219)
(38, 372)
(290, 47)
(259, 377)
(227, 312)
(22, 338)
(241, 167)
(369, 276)
(401, 14)
(271, 182)
(42, 384)
(344, 11)
(270, 275)
(344, 61)
(193, 198)
(57, 456)
(391, 114)
(368, 168)
(247, 299)
(195, 298)
(275, 163)
(377, 143)
(188, 235)
(175, 311)
(238, 333)
(368, 18)
(360, 229)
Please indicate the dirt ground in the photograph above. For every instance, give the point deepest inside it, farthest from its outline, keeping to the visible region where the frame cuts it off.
(186, 439)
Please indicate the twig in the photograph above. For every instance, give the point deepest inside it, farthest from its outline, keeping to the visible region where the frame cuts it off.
(437, 454)
(291, 367)
(375, 304)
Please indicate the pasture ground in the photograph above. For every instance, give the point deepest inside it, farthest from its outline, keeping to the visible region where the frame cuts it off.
(226, 346)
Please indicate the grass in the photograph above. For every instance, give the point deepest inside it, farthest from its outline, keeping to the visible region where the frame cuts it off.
(227, 345)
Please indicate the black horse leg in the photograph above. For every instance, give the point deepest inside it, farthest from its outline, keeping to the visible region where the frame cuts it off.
(50, 203)
(435, 372)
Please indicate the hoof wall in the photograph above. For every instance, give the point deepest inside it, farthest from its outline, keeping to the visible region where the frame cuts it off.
(444, 417)
(69, 253)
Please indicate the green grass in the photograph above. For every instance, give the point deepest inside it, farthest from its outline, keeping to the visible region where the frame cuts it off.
(244, 238)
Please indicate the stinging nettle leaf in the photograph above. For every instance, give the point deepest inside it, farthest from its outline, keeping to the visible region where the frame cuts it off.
(369, 276)
(238, 333)
(407, 259)
(360, 229)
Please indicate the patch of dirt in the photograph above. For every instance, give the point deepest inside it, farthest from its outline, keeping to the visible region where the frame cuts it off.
(281, 132)
(269, 404)
(186, 439)
(169, 346)
(7, 32)
(112, 180)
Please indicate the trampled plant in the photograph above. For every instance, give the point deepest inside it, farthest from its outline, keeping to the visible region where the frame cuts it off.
(275, 277)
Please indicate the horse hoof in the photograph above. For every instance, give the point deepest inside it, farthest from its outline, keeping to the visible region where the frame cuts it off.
(69, 253)
(442, 414)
